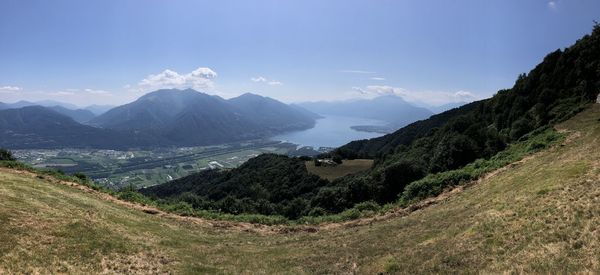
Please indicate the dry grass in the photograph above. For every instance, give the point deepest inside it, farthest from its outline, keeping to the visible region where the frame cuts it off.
(541, 215)
(334, 172)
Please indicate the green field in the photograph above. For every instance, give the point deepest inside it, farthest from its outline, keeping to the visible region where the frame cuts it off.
(539, 215)
(338, 171)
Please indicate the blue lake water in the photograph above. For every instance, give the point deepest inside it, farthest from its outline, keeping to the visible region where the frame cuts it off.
(331, 131)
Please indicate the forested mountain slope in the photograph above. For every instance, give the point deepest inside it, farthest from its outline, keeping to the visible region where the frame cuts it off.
(41, 127)
(268, 184)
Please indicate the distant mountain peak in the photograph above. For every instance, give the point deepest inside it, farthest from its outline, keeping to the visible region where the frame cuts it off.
(249, 94)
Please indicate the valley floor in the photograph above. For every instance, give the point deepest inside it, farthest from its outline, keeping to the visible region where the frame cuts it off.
(539, 215)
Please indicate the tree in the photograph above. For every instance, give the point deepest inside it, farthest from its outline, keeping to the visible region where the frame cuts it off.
(397, 176)
(317, 162)
(81, 176)
(337, 159)
(6, 155)
(521, 127)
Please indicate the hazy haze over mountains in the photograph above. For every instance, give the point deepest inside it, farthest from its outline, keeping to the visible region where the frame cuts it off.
(389, 108)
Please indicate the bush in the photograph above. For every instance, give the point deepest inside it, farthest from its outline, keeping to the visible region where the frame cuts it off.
(81, 176)
(337, 159)
(367, 206)
(317, 211)
(536, 146)
(6, 155)
(15, 165)
(181, 208)
(131, 195)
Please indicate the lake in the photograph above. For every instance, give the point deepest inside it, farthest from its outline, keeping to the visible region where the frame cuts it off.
(331, 131)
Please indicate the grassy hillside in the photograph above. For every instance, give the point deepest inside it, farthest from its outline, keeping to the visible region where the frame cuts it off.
(348, 166)
(538, 215)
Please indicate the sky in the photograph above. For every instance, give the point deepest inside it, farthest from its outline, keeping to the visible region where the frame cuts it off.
(429, 52)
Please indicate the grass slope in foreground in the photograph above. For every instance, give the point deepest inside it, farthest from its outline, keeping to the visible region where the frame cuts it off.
(539, 215)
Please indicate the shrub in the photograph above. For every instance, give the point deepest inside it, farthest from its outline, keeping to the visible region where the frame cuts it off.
(6, 155)
(367, 206)
(317, 211)
(81, 176)
(181, 208)
(130, 194)
(337, 159)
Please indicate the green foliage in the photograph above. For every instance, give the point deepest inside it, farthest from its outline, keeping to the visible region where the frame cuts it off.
(391, 266)
(434, 184)
(82, 177)
(367, 206)
(131, 195)
(15, 165)
(6, 155)
(268, 185)
(337, 159)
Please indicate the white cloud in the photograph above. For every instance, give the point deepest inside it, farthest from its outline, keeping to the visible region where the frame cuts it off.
(97, 92)
(258, 79)
(10, 89)
(261, 79)
(433, 98)
(198, 79)
(377, 78)
(552, 5)
(357, 72)
(60, 93)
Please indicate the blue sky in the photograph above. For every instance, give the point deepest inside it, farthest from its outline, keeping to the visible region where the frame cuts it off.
(430, 52)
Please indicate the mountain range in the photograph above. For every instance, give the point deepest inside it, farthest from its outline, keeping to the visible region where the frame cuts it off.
(80, 115)
(161, 118)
